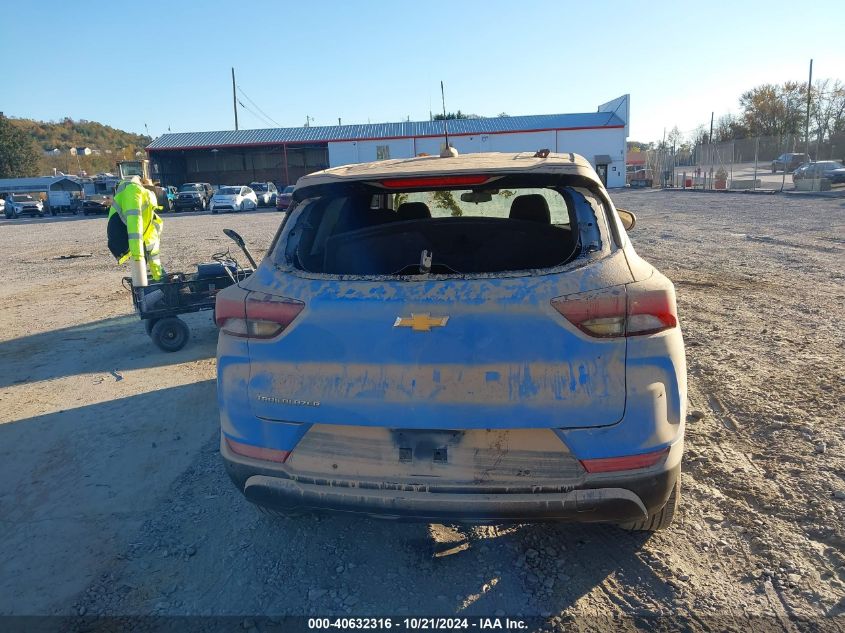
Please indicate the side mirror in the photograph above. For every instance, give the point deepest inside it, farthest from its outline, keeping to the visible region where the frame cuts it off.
(234, 236)
(629, 220)
(237, 239)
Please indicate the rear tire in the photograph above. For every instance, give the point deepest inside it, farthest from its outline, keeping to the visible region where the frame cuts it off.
(662, 518)
(170, 334)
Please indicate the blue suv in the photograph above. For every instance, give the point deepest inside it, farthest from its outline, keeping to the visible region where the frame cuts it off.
(458, 338)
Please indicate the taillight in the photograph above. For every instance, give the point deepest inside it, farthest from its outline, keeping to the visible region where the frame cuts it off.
(633, 310)
(650, 310)
(230, 305)
(257, 452)
(599, 313)
(629, 462)
(254, 315)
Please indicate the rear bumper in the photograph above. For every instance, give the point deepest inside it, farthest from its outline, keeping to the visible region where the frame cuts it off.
(619, 497)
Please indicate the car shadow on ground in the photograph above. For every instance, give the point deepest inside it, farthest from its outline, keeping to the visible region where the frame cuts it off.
(111, 345)
(549, 567)
(210, 552)
(535, 570)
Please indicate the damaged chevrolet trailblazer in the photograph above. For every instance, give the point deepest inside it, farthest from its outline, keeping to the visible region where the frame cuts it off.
(466, 338)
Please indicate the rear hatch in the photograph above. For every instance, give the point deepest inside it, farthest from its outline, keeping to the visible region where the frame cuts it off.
(437, 354)
(468, 340)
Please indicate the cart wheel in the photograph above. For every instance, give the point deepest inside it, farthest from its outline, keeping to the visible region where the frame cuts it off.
(149, 324)
(170, 334)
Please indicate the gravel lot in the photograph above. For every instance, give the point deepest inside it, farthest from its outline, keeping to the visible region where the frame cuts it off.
(113, 499)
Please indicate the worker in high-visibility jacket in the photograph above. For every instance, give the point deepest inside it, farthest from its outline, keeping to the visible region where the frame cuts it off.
(134, 229)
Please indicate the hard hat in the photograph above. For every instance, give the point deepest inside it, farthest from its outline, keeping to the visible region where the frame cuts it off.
(135, 179)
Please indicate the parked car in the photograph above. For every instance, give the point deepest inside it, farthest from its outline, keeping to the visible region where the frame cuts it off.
(236, 198)
(18, 204)
(265, 192)
(194, 196)
(284, 198)
(833, 170)
(170, 195)
(95, 204)
(470, 338)
(789, 162)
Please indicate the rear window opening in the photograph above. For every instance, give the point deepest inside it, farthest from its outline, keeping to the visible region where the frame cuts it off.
(363, 230)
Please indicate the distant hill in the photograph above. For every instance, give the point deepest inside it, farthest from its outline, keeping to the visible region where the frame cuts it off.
(108, 145)
(69, 133)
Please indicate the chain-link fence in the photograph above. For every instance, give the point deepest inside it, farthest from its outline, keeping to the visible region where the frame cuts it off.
(760, 163)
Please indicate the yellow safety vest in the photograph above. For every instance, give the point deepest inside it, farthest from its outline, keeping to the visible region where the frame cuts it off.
(136, 207)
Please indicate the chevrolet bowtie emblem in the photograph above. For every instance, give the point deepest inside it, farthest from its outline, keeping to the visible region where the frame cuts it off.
(421, 322)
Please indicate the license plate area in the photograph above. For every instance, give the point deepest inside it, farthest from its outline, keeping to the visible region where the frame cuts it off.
(524, 456)
(425, 446)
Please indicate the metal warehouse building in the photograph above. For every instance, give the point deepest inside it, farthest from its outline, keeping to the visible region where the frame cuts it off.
(282, 155)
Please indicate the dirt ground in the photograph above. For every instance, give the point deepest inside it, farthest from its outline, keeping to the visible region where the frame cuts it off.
(113, 499)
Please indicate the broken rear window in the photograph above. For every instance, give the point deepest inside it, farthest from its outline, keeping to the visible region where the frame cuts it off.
(363, 230)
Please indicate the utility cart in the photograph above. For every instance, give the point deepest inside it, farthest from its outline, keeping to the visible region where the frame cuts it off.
(160, 303)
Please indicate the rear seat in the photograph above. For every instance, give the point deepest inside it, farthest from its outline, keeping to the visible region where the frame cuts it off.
(531, 208)
(413, 211)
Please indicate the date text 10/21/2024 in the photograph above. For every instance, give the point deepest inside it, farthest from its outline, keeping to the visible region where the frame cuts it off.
(417, 624)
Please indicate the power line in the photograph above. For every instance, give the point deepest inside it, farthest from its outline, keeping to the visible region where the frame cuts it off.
(266, 116)
(261, 119)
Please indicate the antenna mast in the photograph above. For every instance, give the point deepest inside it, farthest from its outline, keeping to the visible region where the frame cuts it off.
(445, 125)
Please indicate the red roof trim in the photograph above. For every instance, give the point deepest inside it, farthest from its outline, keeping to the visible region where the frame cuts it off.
(384, 138)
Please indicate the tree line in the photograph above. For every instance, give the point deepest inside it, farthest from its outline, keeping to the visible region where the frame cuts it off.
(773, 110)
(781, 109)
(23, 143)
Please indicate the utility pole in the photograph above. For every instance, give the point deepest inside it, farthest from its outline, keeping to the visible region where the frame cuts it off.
(807, 126)
(234, 99)
(710, 148)
(710, 140)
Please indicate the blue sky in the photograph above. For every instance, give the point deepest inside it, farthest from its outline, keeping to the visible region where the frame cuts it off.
(383, 61)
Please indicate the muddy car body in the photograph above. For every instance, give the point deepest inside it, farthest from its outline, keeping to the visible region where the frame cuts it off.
(466, 338)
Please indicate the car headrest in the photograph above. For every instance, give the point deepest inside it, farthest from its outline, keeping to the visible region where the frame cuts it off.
(532, 208)
(413, 211)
